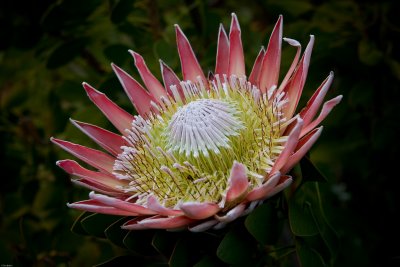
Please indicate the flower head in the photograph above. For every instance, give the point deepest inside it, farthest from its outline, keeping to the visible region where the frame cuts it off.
(202, 151)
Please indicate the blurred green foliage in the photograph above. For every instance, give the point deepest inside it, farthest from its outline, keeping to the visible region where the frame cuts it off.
(47, 48)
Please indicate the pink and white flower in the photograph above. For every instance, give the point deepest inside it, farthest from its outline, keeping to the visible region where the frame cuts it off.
(202, 151)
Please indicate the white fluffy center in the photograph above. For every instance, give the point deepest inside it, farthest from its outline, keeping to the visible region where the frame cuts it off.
(203, 125)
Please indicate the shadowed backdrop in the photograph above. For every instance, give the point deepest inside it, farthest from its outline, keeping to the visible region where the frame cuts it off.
(47, 48)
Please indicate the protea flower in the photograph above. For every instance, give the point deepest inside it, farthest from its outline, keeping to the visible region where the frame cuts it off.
(202, 151)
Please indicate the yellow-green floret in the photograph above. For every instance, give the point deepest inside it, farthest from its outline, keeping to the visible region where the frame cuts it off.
(185, 149)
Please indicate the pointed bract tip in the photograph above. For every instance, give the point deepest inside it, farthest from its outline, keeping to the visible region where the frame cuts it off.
(136, 56)
(92, 194)
(179, 31)
(235, 22)
(299, 119)
(90, 90)
(88, 87)
(116, 68)
(221, 30)
(331, 73)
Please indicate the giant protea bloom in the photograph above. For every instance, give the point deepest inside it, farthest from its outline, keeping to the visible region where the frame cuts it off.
(202, 151)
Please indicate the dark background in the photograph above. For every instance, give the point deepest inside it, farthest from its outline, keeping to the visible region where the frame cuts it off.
(47, 48)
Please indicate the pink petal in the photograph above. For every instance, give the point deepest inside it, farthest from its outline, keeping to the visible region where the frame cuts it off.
(157, 222)
(152, 83)
(251, 207)
(91, 156)
(303, 146)
(121, 204)
(263, 191)
(254, 77)
(290, 145)
(309, 111)
(98, 187)
(269, 73)
(199, 211)
(170, 79)
(233, 214)
(139, 97)
(236, 57)
(116, 115)
(238, 182)
(204, 226)
(294, 43)
(219, 225)
(284, 182)
(190, 66)
(109, 141)
(97, 207)
(73, 168)
(326, 109)
(134, 225)
(222, 60)
(153, 204)
(295, 86)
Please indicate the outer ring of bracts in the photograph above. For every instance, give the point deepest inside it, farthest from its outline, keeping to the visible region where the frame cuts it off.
(240, 198)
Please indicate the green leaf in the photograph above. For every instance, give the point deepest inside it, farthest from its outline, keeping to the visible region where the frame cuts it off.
(209, 261)
(166, 51)
(115, 234)
(96, 224)
(308, 256)
(325, 229)
(128, 260)
(279, 253)
(181, 254)
(262, 224)
(236, 247)
(164, 242)
(300, 218)
(124, 260)
(117, 53)
(77, 226)
(140, 242)
(64, 15)
(368, 53)
(394, 67)
(309, 172)
(66, 52)
(121, 10)
(293, 7)
(307, 218)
